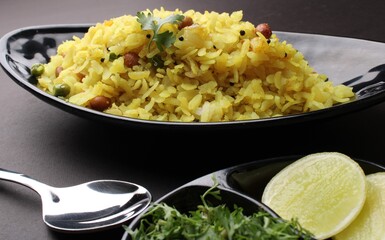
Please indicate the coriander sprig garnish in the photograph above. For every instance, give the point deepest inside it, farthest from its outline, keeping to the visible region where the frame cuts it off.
(150, 22)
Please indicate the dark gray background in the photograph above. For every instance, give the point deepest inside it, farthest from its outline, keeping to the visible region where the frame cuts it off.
(62, 149)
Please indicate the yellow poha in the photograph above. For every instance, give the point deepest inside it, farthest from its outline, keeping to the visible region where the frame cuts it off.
(217, 67)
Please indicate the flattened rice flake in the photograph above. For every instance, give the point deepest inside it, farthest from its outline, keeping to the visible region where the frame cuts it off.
(218, 69)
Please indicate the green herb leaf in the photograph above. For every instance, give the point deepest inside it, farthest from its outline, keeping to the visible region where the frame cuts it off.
(147, 22)
(164, 40)
(150, 22)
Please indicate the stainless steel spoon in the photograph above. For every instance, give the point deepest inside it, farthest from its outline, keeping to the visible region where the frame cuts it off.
(88, 206)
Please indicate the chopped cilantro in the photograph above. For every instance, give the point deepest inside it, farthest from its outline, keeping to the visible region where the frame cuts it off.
(215, 223)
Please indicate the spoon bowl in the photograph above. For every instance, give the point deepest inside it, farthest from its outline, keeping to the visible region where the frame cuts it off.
(89, 206)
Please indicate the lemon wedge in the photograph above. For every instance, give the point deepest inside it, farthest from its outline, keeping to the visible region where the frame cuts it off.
(324, 191)
(370, 223)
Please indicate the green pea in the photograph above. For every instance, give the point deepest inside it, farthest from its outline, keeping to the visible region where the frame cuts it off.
(37, 69)
(62, 90)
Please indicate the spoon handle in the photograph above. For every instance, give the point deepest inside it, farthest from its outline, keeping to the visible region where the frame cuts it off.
(25, 180)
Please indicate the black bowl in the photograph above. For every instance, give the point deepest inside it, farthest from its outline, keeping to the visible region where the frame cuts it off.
(187, 198)
(242, 185)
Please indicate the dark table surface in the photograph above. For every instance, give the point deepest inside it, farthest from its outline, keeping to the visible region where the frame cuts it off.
(62, 149)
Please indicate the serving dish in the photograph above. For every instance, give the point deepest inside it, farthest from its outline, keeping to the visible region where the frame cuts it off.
(353, 62)
(241, 184)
